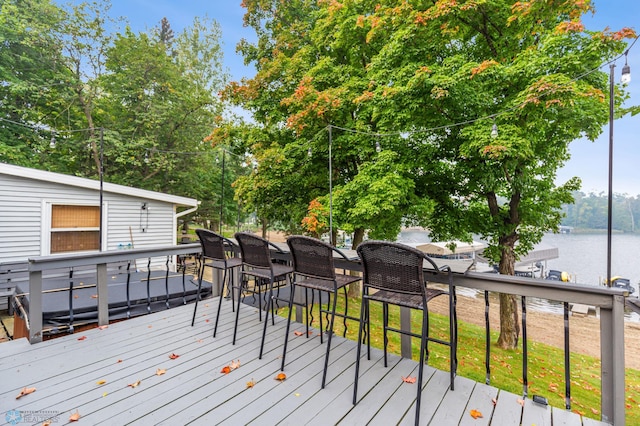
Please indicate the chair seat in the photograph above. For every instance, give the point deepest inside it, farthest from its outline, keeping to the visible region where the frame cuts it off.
(280, 272)
(325, 284)
(413, 301)
(232, 262)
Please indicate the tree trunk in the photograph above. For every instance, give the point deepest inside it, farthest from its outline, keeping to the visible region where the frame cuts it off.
(358, 236)
(509, 323)
(264, 227)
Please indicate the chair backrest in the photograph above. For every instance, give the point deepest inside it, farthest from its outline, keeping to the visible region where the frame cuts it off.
(212, 244)
(392, 266)
(312, 257)
(254, 250)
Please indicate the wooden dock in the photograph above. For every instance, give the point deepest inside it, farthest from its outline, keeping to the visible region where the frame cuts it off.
(93, 373)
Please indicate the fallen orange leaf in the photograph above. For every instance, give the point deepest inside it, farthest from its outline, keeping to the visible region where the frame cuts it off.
(173, 356)
(475, 414)
(102, 327)
(594, 411)
(160, 371)
(118, 361)
(234, 364)
(101, 382)
(74, 417)
(25, 391)
(298, 333)
(281, 377)
(520, 401)
(408, 379)
(47, 423)
(76, 296)
(495, 401)
(94, 296)
(226, 369)
(82, 338)
(251, 384)
(133, 385)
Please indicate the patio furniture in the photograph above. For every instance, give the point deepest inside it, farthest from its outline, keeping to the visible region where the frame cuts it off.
(257, 263)
(214, 257)
(394, 274)
(313, 268)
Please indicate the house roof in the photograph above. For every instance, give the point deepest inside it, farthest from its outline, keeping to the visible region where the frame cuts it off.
(25, 172)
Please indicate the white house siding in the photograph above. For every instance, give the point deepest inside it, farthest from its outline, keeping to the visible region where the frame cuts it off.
(20, 217)
(24, 217)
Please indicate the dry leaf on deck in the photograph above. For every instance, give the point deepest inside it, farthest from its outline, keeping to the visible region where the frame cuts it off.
(520, 401)
(74, 417)
(25, 391)
(475, 414)
(173, 356)
(281, 377)
(160, 371)
(101, 382)
(408, 379)
(94, 296)
(225, 370)
(76, 296)
(251, 384)
(118, 361)
(102, 327)
(133, 385)
(47, 423)
(234, 364)
(82, 338)
(298, 333)
(494, 401)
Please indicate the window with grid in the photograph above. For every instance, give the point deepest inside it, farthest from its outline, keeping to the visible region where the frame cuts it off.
(74, 228)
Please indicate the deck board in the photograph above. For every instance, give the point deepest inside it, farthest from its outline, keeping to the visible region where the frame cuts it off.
(65, 372)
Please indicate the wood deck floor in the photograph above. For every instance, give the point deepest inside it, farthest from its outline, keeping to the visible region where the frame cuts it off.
(66, 371)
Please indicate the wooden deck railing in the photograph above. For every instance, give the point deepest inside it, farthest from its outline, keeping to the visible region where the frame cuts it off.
(610, 302)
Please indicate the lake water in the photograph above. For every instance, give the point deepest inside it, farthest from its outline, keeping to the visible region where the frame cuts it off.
(583, 256)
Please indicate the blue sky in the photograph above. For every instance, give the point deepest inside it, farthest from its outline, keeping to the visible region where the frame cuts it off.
(589, 159)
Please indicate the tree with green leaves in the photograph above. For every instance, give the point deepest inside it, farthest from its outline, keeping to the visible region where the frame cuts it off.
(478, 100)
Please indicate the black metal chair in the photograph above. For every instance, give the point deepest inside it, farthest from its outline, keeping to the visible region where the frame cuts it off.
(257, 263)
(214, 247)
(313, 268)
(394, 274)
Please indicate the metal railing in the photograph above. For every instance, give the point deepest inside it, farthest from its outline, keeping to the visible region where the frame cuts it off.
(40, 264)
(610, 303)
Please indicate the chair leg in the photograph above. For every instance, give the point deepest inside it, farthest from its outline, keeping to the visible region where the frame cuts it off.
(453, 335)
(326, 357)
(385, 324)
(286, 334)
(266, 318)
(368, 313)
(320, 316)
(423, 346)
(235, 327)
(359, 343)
(195, 308)
(220, 297)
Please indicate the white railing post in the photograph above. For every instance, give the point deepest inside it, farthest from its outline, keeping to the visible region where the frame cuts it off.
(35, 306)
(612, 362)
(103, 294)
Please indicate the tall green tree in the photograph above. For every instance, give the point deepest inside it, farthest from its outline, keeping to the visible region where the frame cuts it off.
(442, 73)
(32, 79)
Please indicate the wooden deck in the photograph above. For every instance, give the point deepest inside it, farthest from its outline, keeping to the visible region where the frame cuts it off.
(66, 371)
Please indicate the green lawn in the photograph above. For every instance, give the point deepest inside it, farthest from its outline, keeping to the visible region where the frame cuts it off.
(546, 363)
